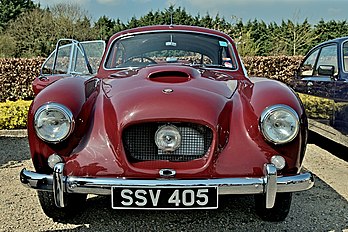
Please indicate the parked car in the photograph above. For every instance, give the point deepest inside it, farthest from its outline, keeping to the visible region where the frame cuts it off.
(169, 121)
(324, 74)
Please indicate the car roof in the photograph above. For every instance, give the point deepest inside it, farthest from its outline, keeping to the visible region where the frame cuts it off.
(336, 40)
(171, 28)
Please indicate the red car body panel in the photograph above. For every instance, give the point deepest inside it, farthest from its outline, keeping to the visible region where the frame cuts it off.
(227, 102)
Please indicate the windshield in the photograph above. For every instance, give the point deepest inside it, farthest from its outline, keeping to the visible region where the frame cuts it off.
(141, 50)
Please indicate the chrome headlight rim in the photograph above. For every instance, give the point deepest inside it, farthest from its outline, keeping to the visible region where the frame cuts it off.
(62, 109)
(270, 111)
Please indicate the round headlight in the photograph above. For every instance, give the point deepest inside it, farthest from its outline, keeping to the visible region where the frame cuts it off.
(53, 122)
(279, 124)
(168, 138)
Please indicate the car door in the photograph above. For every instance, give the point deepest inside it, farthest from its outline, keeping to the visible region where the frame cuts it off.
(341, 93)
(70, 58)
(317, 77)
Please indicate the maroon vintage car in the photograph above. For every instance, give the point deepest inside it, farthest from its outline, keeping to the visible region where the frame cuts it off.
(167, 119)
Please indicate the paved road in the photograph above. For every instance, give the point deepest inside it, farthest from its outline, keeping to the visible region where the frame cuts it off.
(323, 208)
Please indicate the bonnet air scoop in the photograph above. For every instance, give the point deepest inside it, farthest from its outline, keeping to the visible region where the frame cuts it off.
(173, 74)
(169, 76)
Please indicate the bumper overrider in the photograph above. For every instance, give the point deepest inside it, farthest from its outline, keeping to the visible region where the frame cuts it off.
(269, 184)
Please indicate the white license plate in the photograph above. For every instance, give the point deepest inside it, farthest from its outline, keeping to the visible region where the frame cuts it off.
(164, 197)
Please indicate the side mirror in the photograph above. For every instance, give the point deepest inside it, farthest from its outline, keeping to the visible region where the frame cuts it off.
(326, 70)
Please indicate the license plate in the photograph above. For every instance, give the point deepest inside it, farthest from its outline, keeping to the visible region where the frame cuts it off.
(164, 197)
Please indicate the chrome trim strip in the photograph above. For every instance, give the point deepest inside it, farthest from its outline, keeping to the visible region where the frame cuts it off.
(102, 186)
(58, 185)
(226, 185)
(341, 57)
(271, 184)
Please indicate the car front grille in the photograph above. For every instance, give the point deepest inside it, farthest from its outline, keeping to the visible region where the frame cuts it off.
(139, 142)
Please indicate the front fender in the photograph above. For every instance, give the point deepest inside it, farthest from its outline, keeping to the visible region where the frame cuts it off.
(78, 96)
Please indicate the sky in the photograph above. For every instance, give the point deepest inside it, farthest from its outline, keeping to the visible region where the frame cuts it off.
(265, 10)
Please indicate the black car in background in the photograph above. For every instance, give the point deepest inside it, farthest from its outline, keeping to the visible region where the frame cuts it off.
(322, 81)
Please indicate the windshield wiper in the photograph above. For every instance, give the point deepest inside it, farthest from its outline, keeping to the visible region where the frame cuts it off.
(217, 66)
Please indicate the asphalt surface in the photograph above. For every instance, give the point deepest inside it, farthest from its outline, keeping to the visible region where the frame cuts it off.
(323, 208)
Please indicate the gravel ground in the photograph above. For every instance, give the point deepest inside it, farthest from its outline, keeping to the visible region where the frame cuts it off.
(323, 208)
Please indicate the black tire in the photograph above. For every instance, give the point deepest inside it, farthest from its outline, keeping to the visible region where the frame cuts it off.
(74, 204)
(279, 211)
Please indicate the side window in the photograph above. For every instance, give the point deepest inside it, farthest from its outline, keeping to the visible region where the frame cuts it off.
(307, 68)
(94, 51)
(72, 56)
(345, 56)
(117, 56)
(47, 67)
(120, 55)
(78, 62)
(63, 59)
(62, 63)
(328, 56)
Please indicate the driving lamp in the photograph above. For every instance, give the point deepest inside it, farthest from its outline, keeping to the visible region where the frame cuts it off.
(168, 138)
(279, 124)
(53, 122)
(278, 161)
(53, 160)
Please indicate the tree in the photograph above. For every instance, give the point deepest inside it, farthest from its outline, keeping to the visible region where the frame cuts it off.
(330, 30)
(36, 32)
(7, 46)
(296, 37)
(11, 9)
(166, 17)
(119, 26)
(104, 27)
(246, 45)
(33, 32)
(71, 21)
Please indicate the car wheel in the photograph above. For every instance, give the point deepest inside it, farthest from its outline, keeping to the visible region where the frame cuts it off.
(74, 204)
(279, 211)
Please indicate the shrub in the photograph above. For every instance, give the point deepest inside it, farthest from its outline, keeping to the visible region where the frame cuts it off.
(279, 68)
(7, 46)
(16, 77)
(318, 108)
(13, 115)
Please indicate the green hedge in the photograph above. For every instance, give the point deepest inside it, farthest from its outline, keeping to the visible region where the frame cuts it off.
(317, 107)
(17, 75)
(13, 115)
(279, 68)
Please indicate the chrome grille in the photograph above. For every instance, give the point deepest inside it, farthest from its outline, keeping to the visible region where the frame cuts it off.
(139, 142)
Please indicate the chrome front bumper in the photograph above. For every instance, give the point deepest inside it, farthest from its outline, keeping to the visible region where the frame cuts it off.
(269, 185)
